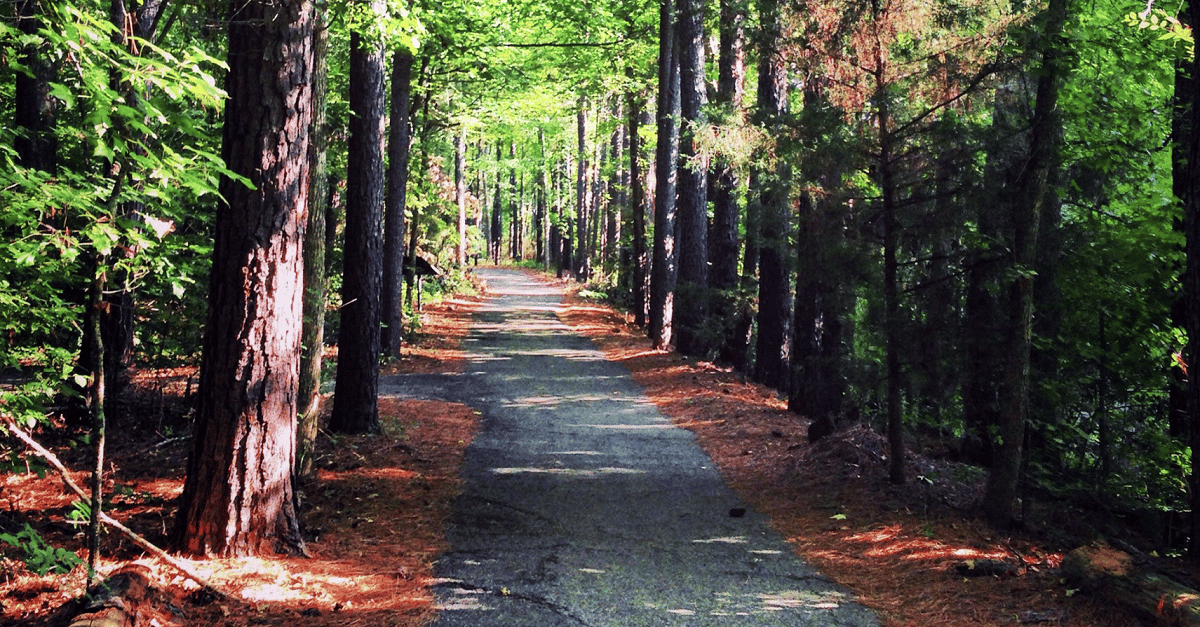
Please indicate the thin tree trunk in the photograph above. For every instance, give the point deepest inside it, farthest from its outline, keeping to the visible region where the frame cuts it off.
(315, 274)
(581, 192)
(616, 188)
(543, 245)
(497, 211)
(97, 401)
(637, 206)
(237, 497)
(514, 204)
(460, 193)
(395, 202)
(893, 325)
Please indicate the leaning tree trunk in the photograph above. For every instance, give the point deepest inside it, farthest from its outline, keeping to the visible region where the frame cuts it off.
(664, 268)
(355, 394)
(237, 497)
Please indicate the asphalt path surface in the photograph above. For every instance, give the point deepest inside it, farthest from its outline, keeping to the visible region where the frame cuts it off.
(583, 505)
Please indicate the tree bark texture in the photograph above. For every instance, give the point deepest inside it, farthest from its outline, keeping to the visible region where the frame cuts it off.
(394, 204)
(543, 206)
(665, 265)
(772, 352)
(355, 397)
(312, 340)
(237, 497)
(692, 289)
(514, 205)
(731, 77)
(818, 383)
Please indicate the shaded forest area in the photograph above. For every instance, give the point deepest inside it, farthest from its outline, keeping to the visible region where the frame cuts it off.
(969, 226)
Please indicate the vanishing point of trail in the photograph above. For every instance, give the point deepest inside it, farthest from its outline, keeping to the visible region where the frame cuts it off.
(583, 505)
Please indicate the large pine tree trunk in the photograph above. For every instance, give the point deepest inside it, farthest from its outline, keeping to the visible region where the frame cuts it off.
(1028, 200)
(770, 192)
(355, 396)
(237, 498)
(692, 288)
(665, 265)
(395, 202)
(723, 239)
(315, 277)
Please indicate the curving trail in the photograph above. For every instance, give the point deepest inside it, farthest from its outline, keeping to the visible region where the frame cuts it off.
(582, 505)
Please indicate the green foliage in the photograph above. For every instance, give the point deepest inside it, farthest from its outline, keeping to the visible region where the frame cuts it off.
(1168, 26)
(134, 131)
(39, 557)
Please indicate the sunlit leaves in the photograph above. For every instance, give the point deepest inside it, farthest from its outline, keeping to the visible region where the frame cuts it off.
(1168, 27)
(134, 123)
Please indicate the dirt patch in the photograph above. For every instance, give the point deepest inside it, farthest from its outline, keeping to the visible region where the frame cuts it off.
(895, 547)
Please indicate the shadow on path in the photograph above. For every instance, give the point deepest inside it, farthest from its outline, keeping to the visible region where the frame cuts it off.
(582, 505)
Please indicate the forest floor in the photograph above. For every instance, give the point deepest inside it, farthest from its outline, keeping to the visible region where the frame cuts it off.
(377, 510)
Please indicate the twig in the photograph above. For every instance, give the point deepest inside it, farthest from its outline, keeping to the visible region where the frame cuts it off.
(178, 565)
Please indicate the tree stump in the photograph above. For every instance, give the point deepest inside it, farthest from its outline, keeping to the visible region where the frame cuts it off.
(1101, 569)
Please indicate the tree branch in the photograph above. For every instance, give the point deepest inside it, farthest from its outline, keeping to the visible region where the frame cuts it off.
(178, 565)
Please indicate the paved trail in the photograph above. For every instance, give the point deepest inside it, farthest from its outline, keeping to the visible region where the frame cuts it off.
(584, 506)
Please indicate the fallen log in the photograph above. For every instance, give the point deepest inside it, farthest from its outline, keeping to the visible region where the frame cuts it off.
(1101, 569)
